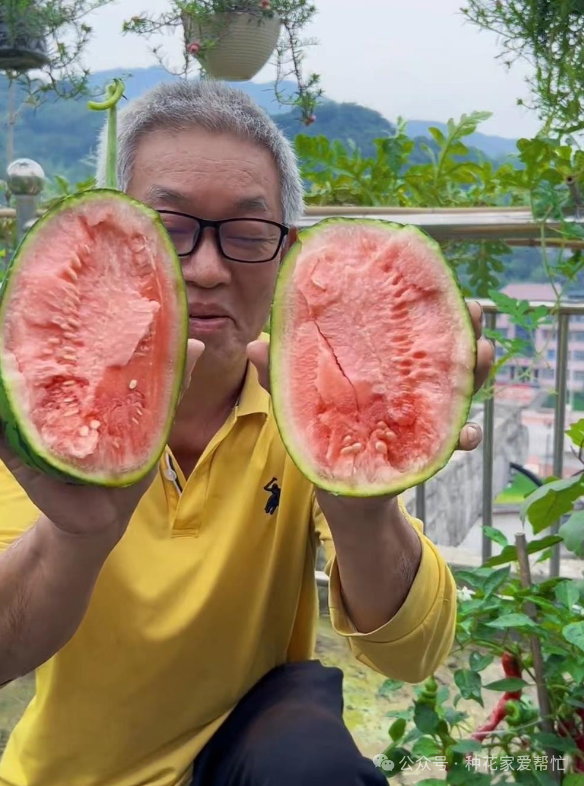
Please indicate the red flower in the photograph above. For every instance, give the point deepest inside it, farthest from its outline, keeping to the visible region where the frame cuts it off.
(194, 48)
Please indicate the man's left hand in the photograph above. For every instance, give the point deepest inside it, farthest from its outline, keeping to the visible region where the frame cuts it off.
(471, 434)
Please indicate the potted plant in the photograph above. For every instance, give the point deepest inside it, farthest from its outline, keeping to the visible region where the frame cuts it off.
(22, 43)
(549, 35)
(48, 36)
(234, 39)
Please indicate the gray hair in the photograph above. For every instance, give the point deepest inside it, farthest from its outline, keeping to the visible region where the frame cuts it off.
(213, 106)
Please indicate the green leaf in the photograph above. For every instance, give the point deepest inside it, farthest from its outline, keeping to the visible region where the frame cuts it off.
(554, 741)
(475, 578)
(509, 553)
(576, 433)
(495, 580)
(513, 620)
(510, 684)
(461, 775)
(454, 717)
(397, 729)
(405, 714)
(467, 746)
(426, 748)
(567, 593)
(434, 782)
(426, 718)
(575, 669)
(496, 535)
(574, 633)
(550, 502)
(573, 779)
(478, 662)
(572, 531)
(469, 684)
(388, 687)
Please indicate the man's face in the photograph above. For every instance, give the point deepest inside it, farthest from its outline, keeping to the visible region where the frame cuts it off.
(214, 176)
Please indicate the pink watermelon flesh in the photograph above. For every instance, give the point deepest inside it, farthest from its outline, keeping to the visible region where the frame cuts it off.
(92, 339)
(373, 355)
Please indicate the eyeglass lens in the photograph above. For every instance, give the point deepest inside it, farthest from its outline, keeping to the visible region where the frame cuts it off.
(241, 239)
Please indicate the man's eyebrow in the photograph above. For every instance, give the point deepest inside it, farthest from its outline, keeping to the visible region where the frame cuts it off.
(252, 203)
(158, 193)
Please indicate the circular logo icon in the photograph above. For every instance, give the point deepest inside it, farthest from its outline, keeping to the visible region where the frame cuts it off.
(381, 760)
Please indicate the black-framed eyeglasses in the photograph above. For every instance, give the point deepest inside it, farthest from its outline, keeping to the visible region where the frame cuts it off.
(249, 240)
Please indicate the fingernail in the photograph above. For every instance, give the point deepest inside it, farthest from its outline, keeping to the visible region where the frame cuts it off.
(474, 435)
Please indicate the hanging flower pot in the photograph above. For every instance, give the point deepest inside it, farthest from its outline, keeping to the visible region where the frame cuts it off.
(233, 45)
(22, 45)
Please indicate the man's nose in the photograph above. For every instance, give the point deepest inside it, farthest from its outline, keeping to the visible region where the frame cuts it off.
(206, 267)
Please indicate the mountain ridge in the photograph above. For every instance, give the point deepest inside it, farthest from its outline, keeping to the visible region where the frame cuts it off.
(62, 135)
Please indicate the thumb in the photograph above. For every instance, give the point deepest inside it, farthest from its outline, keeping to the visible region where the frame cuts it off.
(194, 351)
(259, 354)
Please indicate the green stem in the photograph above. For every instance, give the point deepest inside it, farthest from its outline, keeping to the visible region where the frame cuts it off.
(113, 94)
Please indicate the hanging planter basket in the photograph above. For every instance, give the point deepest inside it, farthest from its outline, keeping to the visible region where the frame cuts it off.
(241, 43)
(22, 48)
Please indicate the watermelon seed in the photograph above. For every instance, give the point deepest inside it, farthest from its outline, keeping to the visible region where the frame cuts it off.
(133, 384)
(355, 448)
(348, 440)
(73, 274)
(54, 340)
(381, 447)
(136, 421)
(68, 400)
(95, 424)
(68, 383)
(68, 356)
(74, 323)
(84, 431)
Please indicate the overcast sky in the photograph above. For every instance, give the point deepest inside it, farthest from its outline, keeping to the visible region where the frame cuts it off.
(415, 58)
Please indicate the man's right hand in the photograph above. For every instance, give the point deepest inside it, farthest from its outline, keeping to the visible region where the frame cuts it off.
(82, 509)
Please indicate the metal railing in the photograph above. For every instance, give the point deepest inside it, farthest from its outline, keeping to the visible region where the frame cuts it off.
(516, 227)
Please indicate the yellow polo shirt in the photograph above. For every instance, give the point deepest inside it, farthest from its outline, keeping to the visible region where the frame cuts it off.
(211, 587)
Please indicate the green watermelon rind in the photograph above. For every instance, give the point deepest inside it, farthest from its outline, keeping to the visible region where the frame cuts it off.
(277, 326)
(11, 422)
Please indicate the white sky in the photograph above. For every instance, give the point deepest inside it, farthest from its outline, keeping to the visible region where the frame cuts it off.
(415, 58)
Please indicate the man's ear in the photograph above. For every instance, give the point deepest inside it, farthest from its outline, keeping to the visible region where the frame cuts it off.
(291, 238)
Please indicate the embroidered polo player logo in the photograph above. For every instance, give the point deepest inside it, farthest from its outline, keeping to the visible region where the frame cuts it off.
(274, 499)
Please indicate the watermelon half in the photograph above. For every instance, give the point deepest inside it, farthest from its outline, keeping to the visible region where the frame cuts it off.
(372, 356)
(93, 336)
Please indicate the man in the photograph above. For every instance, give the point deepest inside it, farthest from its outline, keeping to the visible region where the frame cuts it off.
(172, 624)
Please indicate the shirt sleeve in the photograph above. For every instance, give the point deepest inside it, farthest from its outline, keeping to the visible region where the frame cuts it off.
(412, 644)
(17, 512)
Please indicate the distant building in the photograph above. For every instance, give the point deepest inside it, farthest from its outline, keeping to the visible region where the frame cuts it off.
(539, 370)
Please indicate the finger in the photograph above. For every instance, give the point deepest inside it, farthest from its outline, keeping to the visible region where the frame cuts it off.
(194, 351)
(476, 315)
(23, 474)
(259, 354)
(471, 437)
(485, 360)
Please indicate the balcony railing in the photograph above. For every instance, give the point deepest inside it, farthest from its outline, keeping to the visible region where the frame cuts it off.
(516, 227)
